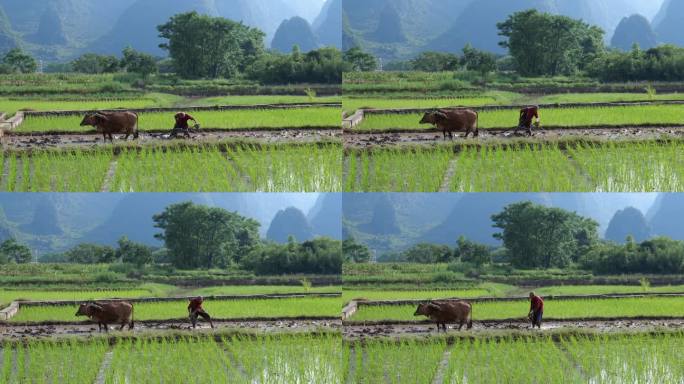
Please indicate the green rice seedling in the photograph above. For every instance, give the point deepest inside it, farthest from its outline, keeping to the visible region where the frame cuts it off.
(553, 309)
(53, 362)
(219, 309)
(14, 104)
(635, 167)
(271, 168)
(8, 295)
(406, 361)
(402, 170)
(606, 97)
(632, 358)
(606, 289)
(508, 360)
(230, 119)
(512, 169)
(53, 171)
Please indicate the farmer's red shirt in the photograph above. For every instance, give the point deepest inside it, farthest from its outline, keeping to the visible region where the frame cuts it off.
(529, 113)
(182, 120)
(536, 304)
(195, 304)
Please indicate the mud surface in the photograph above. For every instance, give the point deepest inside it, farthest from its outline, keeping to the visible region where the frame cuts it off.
(37, 141)
(399, 330)
(279, 326)
(364, 140)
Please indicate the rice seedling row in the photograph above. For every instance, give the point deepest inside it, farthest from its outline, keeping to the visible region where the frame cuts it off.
(267, 168)
(556, 117)
(234, 359)
(553, 309)
(9, 295)
(647, 166)
(233, 119)
(219, 309)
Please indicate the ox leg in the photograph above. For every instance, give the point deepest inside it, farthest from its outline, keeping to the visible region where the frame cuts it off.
(106, 327)
(111, 138)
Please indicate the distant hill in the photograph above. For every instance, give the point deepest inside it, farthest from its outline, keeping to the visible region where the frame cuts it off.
(442, 217)
(62, 29)
(666, 219)
(389, 29)
(328, 24)
(289, 222)
(294, 31)
(668, 23)
(325, 216)
(632, 30)
(628, 222)
(448, 25)
(8, 39)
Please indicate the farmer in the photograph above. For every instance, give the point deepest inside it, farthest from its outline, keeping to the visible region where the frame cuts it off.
(527, 114)
(536, 310)
(182, 120)
(195, 310)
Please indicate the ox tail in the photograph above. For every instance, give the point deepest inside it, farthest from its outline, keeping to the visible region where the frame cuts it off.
(136, 130)
(477, 123)
(132, 323)
(470, 318)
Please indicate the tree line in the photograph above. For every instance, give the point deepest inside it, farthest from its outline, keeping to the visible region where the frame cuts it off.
(534, 236)
(542, 44)
(204, 47)
(199, 237)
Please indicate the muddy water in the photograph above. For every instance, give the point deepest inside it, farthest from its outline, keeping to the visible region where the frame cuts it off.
(47, 331)
(92, 140)
(364, 140)
(392, 330)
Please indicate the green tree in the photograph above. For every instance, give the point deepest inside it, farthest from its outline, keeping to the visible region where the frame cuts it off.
(94, 64)
(319, 256)
(428, 254)
(542, 237)
(360, 61)
(205, 46)
(544, 44)
(12, 251)
(478, 61)
(472, 252)
(197, 236)
(355, 252)
(17, 61)
(435, 62)
(133, 253)
(90, 254)
(139, 62)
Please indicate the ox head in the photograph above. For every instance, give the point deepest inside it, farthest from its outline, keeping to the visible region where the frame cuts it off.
(86, 309)
(433, 117)
(426, 309)
(93, 119)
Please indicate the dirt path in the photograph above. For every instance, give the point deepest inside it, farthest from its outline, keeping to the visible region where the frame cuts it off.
(47, 331)
(365, 140)
(371, 331)
(91, 140)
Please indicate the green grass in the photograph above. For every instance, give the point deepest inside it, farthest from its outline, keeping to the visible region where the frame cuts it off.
(605, 289)
(485, 98)
(146, 290)
(219, 309)
(603, 97)
(553, 309)
(11, 105)
(267, 118)
(212, 168)
(557, 117)
(262, 99)
(412, 295)
(261, 290)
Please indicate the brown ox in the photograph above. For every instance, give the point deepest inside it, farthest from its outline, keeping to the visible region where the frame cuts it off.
(108, 313)
(443, 312)
(453, 120)
(113, 122)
